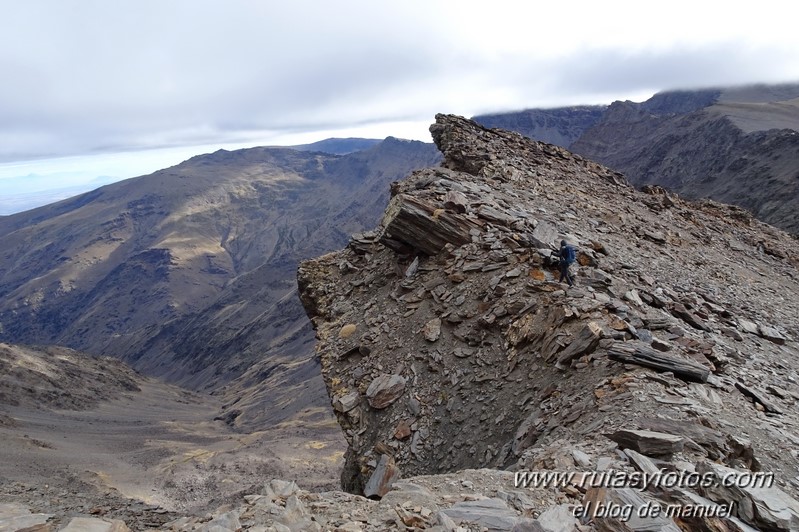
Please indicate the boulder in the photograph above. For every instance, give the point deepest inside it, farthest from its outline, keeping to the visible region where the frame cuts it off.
(648, 442)
(492, 514)
(382, 478)
(544, 236)
(384, 390)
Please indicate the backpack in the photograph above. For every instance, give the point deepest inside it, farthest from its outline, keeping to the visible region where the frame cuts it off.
(570, 256)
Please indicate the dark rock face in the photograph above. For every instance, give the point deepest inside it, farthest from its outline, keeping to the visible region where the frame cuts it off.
(502, 365)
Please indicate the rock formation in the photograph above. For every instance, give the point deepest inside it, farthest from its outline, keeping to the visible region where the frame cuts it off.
(447, 343)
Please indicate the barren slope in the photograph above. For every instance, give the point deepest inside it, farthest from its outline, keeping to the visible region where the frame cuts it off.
(88, 436)
(188, 273)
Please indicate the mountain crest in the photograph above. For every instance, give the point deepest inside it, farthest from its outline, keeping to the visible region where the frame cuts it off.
(447, 342)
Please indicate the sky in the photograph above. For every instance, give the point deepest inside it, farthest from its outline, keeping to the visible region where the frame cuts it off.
(95, 90)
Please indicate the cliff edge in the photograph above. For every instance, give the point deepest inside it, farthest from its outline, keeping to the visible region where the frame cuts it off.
(447, 343)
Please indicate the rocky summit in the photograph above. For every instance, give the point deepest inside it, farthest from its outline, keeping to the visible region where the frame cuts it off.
(447, 343)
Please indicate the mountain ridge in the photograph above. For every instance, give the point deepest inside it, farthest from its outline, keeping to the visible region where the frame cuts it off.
(734, 145)
(447, 342)
(142, 268)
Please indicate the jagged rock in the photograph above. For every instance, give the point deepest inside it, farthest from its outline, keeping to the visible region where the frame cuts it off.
(382, 477)
(649, 358)
(712, 440)
(771, 334)
(559, 518)
(642, 463)
(455, 202)
(227, 521)
(364, 242)
(17, 517)
(583, 343)
(660, 345)
(415, 223)
(655, 236)
(648, 442)
(544, 236)
(759, 505)
(384, 390)
(633, 297)
(748, 326)
(615, 510)
(493, 214)
(279, 488)
(347, 402)
(94, 524)
(758, 396)
(403, 430)
(679, 311)
(492, 514)
(587, 258)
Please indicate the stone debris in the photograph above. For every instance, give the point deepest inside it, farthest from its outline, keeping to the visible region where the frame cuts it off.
(583, 343)
(493, 514)
(418, 224)
(762, 506)
(432, 330)
(649, 358)
(759, 397)
(648, 442)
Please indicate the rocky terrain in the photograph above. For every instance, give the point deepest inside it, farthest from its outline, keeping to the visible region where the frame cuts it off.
(447, 343)
(459, 369)
(188, 274)
(736, 145)
(89, 438)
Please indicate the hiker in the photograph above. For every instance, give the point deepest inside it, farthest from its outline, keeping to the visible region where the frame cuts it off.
(566, 257)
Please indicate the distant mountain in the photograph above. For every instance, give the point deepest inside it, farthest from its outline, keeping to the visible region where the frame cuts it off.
(189, 273)
(561, 126)
(338, 146)
(737, 145)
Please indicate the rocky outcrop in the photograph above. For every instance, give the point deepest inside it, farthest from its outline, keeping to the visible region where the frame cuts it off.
(505, 367)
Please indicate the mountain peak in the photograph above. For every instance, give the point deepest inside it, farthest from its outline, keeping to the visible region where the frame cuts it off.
(447, 342)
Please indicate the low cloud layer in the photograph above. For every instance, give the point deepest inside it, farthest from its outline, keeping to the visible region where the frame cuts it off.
(88, 77)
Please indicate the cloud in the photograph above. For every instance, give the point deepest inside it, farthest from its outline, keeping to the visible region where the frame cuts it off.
(95, 76)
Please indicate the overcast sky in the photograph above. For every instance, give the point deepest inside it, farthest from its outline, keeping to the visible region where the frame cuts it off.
(82, 78)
